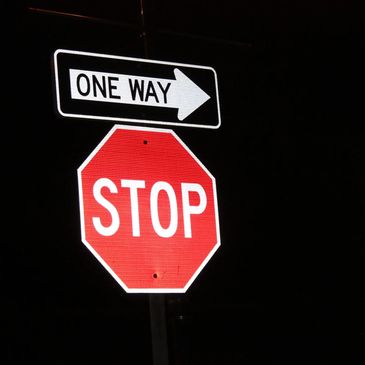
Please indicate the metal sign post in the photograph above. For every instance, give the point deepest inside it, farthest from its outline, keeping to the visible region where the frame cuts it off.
(159, 329)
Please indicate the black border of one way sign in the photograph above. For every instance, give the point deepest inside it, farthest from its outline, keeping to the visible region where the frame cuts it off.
(136, 90)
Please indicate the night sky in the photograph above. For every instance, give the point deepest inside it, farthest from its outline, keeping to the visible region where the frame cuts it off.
(286, 286)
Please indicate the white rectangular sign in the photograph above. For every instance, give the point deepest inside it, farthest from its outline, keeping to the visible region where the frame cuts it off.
(99, 86)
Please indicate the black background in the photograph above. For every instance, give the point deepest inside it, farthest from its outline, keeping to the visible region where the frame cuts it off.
(287, 284)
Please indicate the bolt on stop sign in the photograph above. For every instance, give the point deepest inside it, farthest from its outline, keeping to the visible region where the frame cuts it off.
(148, 209)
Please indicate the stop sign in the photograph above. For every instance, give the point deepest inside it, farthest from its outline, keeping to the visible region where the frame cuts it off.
(148, 209)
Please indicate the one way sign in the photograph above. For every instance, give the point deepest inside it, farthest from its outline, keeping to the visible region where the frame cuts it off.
(99, 86)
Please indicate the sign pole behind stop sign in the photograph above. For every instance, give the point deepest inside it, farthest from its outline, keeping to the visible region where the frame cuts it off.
(148, 209)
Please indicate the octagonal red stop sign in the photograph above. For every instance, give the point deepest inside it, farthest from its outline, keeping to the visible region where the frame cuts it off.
(148, 209)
